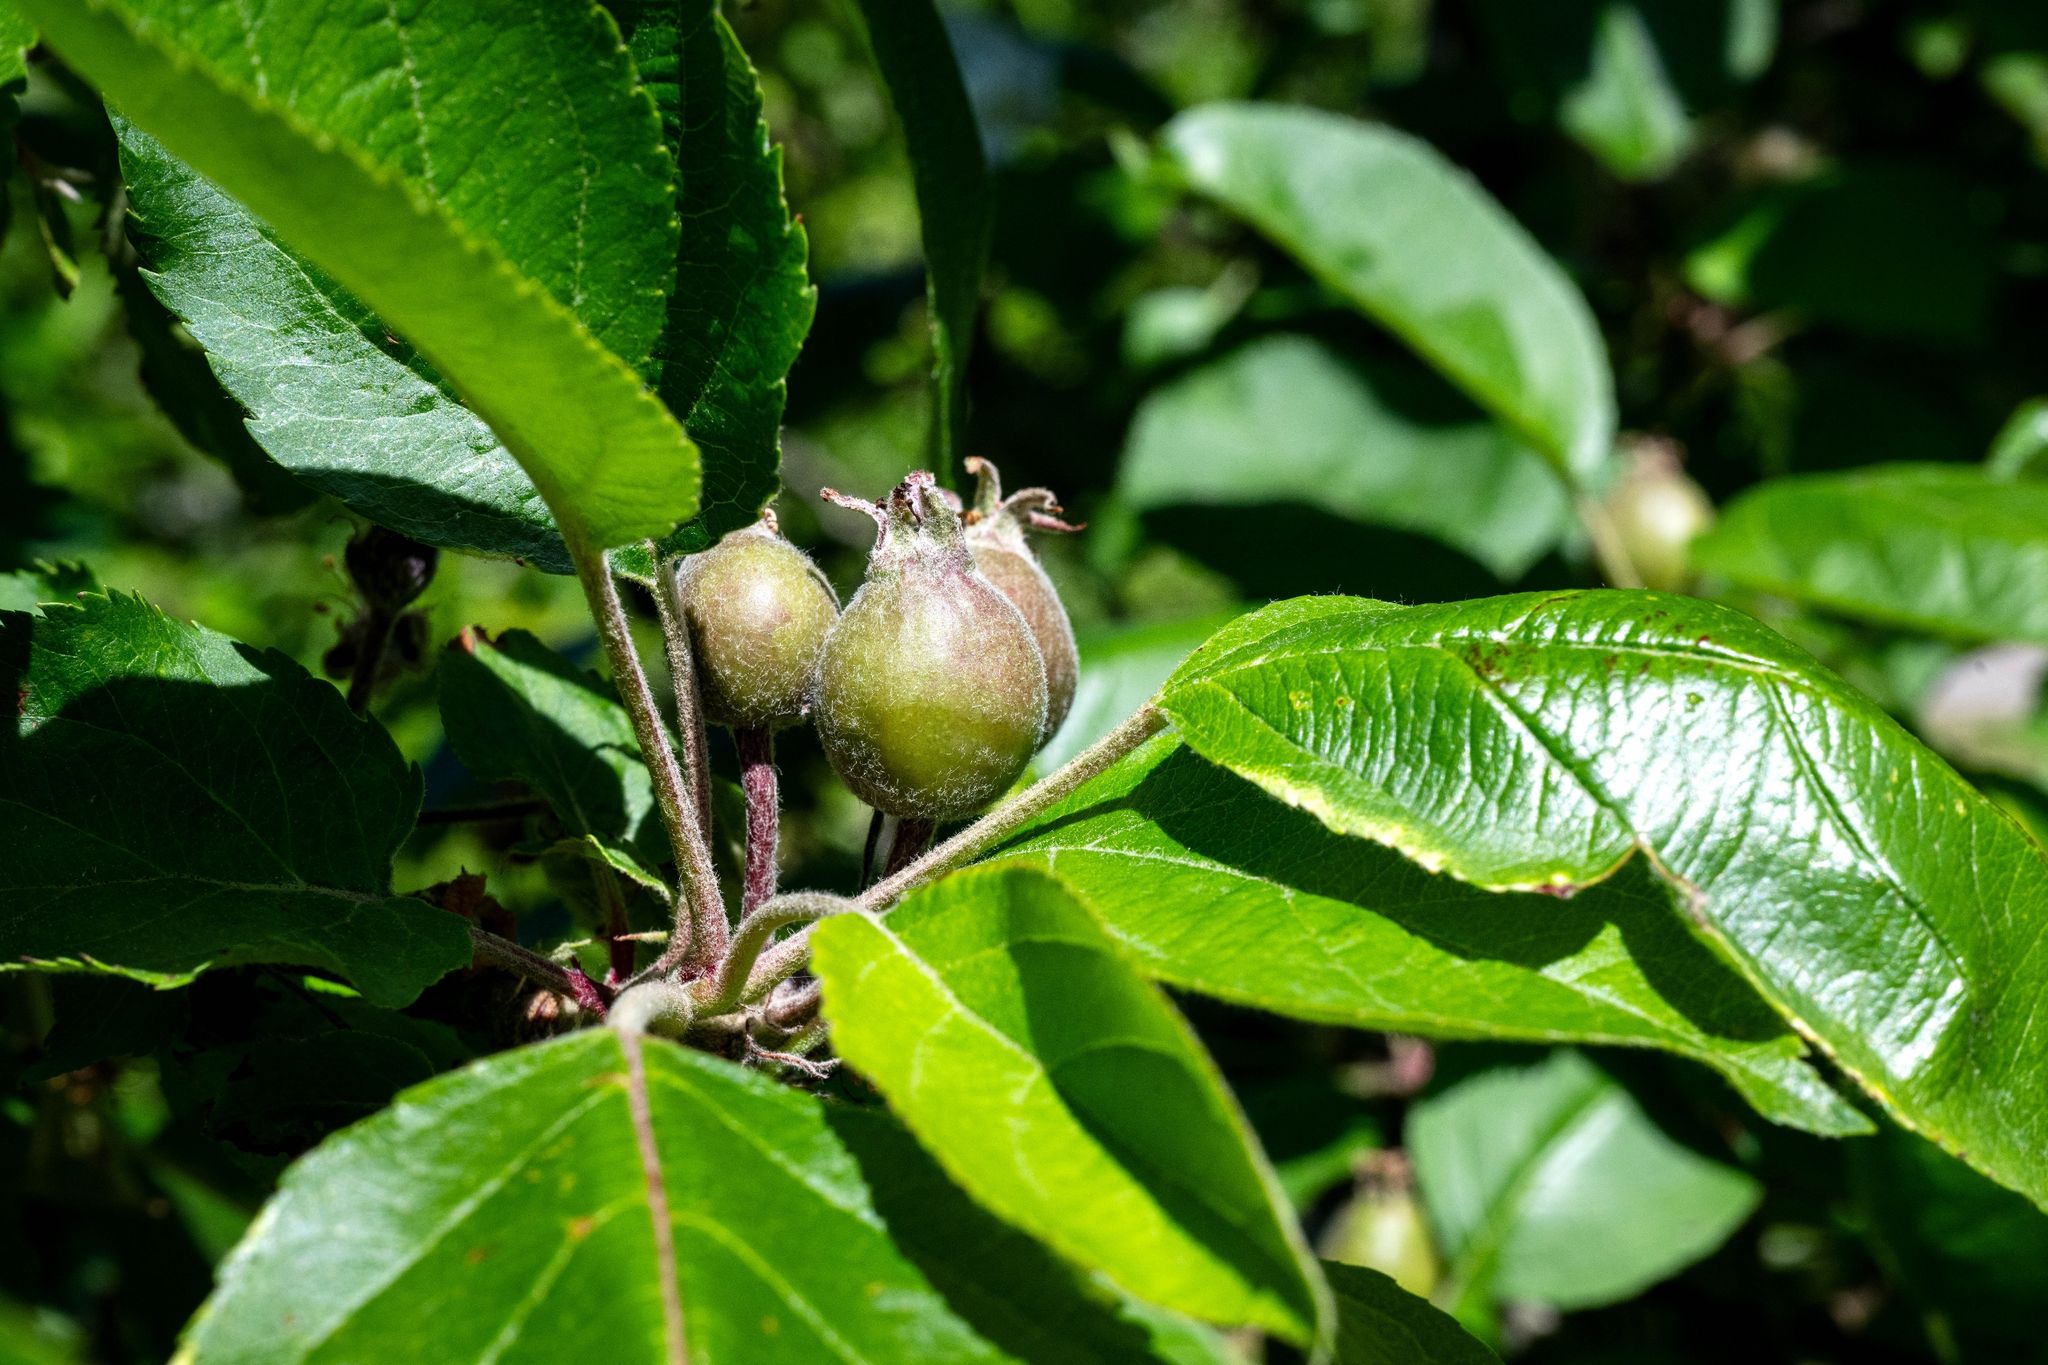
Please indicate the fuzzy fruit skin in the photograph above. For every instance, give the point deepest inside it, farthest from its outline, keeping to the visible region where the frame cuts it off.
(931, 696)
(759, 612)
(1016, 574)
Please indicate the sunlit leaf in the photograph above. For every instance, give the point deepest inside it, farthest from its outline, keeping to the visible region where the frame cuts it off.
(417, 215)
(1213, 890)
(1011, 1036)
(1546, 741)
(1947, 549)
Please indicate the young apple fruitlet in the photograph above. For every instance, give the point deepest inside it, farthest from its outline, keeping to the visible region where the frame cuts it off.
(995, 537)
(758, 612)
(932, 694)
(1657, 510)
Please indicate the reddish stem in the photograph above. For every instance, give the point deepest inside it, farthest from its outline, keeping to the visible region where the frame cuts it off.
(589, 993)
(764, 814)
(913, 837)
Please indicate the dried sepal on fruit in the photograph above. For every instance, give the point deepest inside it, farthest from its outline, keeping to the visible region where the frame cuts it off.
(932, 693)
(996, 528)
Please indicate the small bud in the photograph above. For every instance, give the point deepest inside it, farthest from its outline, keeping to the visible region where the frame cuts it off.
(758, 611)
(389, 569)
(932, 691)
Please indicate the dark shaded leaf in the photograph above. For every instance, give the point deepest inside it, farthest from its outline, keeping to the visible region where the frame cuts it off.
(176, 801)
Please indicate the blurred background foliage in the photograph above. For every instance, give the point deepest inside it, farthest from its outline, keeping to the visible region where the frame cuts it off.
(1815, 237)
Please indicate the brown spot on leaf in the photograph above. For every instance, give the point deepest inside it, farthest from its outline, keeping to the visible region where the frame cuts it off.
(475, 1255)
(580, 1228)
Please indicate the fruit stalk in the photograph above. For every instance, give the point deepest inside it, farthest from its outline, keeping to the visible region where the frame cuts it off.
(764, 813)
(781, 962)
(682, 673)
(700, 935)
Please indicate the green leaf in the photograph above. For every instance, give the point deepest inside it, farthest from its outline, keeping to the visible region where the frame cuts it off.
(519, 1188)
(955, 201)
(177, 801)
(1286, 419)
(1384, 221)
(515, 710)
(1625, 77)
(422, 189)
(1972, 1255)
(1012, 1037)
(1212, 889)
(1544, 740)
(1947, 549)
(2020, 450)
(1380, 1323)
(174, 370)
(17, 36)
(1547, 1183)
(742, 302)
(1627, 111)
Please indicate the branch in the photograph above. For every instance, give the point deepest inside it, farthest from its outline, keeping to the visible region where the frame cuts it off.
(743, 973)
(785, 958)
(504, 953)
(764, 814)
(701, 907)
(362, 680)
(682, 676)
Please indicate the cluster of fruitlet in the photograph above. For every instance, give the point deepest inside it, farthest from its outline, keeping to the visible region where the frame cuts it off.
(931, 691)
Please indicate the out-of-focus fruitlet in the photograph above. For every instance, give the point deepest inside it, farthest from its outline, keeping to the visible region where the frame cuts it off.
(995, 537)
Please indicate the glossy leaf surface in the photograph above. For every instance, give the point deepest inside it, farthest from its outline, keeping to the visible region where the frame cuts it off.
(1545, 740)
(516, 710)
(176, 801)
(1951, 550)
(328, 137)
(1287, 419)
(1547, 1183)
(1380, 1323)
(517, 1186)
(1214, 890)
(742, 302)
(954, 198)
(1385, 222)
(1066, 1095)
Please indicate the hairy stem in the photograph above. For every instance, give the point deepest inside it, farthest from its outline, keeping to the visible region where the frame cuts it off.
(682, 673)
(1007, 818)
(796, 1009)
(741, 975)
(503, 953)
(362, 680)
(764, 814)
(700, 922)
(779, 963)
